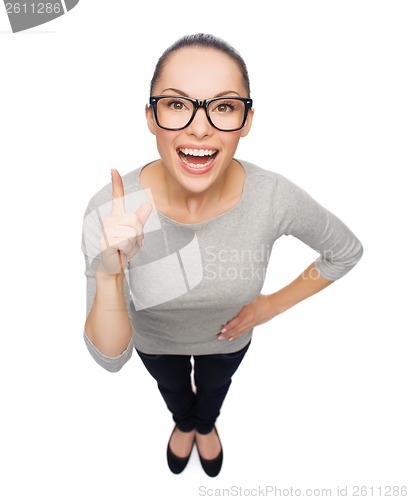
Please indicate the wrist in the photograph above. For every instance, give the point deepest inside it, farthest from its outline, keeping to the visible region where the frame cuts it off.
(278, 303)
(109, 278)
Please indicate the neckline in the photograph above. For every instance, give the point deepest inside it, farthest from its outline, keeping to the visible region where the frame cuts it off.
(216, 217)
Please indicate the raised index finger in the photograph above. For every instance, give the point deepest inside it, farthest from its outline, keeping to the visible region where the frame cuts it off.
(118, 205)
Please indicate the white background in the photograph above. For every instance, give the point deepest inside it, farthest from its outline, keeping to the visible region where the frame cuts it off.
(320, 401)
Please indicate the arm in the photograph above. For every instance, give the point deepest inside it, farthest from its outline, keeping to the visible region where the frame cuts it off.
(266, 307)
(108, 245)
(297, 214)
(105, 332)
(307, 284)
(107, 325)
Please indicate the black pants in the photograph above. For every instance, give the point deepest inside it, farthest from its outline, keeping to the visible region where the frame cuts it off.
(212, 378)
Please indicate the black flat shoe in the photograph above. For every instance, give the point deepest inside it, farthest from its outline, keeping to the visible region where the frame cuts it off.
(176, 464)
(212, 467)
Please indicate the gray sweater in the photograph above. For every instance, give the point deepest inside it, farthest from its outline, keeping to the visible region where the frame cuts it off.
(188, 280)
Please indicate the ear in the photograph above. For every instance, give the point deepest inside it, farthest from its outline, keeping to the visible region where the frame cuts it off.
(150, 119)
(247, 126)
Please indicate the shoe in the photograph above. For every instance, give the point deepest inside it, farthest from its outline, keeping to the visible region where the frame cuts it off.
(176, 464)
(212, 467)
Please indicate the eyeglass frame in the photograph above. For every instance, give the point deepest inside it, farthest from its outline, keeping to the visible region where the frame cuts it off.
(201, 103)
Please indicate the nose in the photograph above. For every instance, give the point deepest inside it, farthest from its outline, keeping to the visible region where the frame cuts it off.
(200, 126)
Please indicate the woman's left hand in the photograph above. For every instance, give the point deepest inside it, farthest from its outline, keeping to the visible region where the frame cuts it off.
(255, 313)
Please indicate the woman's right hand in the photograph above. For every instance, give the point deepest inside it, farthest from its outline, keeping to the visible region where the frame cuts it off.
(122, 233)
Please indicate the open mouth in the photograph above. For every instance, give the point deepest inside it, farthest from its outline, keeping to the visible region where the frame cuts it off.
(197, 158)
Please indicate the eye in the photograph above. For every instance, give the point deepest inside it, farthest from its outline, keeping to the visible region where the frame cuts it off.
(175, 105)
(225, 107)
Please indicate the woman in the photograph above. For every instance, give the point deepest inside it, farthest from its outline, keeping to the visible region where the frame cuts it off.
(176, 251)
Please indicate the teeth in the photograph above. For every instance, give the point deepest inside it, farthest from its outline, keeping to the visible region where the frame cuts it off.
(198, 152)
(199, 166)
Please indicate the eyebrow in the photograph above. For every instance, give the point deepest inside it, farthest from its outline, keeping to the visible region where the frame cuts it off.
(220, 94)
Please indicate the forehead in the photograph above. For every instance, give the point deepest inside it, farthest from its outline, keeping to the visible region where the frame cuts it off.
(201, 73)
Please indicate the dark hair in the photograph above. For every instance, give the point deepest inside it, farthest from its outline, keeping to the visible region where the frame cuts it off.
(205, 41)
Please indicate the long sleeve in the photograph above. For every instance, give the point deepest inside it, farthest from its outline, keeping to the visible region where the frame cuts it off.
(91, 234)
(304, 218)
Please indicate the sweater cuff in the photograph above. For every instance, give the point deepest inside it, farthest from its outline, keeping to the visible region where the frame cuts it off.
(111, 364)
(332, 270)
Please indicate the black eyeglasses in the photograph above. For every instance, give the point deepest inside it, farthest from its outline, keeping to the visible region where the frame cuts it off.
(224, 113)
